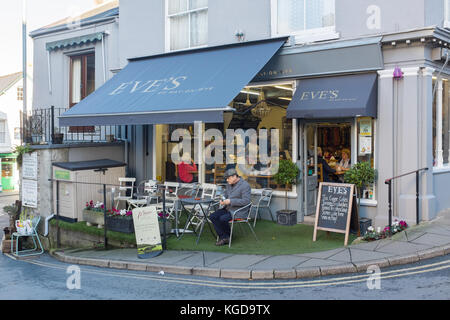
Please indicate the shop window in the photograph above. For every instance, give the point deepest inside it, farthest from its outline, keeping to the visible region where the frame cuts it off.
(366, 146)
(187, 24)
(82, 83)
(259, 110)
(441, 122)
(307, 20)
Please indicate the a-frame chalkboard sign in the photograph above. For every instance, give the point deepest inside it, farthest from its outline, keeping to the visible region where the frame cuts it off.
(336, 209)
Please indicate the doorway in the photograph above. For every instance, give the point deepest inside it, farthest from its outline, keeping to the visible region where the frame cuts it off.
(327, 155)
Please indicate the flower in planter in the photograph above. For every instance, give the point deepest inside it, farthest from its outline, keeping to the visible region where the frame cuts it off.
(98, 206)
(161, 215)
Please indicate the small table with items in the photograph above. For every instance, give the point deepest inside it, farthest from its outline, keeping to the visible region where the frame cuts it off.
(200, 215)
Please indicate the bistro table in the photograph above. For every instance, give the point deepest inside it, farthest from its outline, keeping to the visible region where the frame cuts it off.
(201, 215)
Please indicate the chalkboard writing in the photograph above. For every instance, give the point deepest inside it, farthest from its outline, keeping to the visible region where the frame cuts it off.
(334, 208)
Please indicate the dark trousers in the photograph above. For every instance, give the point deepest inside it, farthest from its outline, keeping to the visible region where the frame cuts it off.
(220, 220)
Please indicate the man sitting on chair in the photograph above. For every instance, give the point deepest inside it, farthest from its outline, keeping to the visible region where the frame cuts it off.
(237, 195)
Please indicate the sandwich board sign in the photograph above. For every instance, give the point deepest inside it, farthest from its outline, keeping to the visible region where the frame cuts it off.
(336, 209)
(146, 228)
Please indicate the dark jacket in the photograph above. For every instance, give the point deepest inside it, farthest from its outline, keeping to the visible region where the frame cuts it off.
(240, 195)
(327, 170)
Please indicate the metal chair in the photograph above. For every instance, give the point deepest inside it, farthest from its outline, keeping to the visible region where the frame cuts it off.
(208, 192)
(146, 192)
(33, 234)
(263, 202)
(242, 215)
(124, 190)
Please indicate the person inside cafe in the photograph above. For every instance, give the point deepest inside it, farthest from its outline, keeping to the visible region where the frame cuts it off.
(328, 172)
(345, 163)
(185, 168)
(237, 195)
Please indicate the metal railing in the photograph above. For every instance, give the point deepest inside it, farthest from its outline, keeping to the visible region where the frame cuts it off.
(42, 127)
(389, 183)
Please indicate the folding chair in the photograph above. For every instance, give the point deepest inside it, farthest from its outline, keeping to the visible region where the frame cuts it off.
(242, 215)
(263, 202)
(33, 234)
(208, 192)
(124, 189)
(146, 191)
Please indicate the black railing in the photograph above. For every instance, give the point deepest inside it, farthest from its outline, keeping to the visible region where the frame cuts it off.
(389, 183)
(42, 127)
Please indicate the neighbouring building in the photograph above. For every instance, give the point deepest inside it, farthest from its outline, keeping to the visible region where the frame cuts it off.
(367, 78)
(11, 106)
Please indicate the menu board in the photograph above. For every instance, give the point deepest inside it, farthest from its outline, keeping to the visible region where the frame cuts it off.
(29, 193)
(334, 209)
(146, 228)
(29, 166)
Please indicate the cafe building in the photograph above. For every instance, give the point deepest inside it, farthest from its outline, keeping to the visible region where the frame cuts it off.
(380, 98)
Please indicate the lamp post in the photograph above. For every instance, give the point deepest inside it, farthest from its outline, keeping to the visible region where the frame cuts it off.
(24, 68)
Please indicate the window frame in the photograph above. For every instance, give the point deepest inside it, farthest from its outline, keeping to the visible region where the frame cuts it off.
(84, 56)
(304, 36)
(168, 31)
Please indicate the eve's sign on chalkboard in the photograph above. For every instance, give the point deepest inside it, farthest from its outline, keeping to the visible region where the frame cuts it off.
(334, 209)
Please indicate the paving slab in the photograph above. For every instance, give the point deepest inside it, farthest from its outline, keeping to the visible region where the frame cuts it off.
(402, 248)
(278, 262)
(370, 246)
(432, 240)
(240, 261)
(318, 263)
(342, 256)
(171, 257)
(414, 234)
(321, 254)
(194, 260)
(365, 255)
(212, 257)
(440, 230)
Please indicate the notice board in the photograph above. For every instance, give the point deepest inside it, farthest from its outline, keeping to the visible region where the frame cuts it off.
(336, 210)
(146, 228)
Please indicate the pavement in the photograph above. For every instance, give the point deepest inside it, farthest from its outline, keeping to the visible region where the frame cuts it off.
(424, 241)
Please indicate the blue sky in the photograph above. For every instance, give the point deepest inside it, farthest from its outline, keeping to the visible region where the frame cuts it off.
(39, 13)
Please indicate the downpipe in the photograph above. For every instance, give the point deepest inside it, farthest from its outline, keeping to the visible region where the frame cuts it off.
(50, 217)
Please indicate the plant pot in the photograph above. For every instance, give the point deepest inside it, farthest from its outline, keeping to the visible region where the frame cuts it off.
(94, 217)
(168, 227)
(287, 217)
(58, 138)
(36, 138)
(120, 224)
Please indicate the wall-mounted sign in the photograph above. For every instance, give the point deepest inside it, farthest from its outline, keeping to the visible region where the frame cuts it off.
(62, 175)
(29, 166)
(365, 146)
(365, 127)
(146, 228)
(29, 193)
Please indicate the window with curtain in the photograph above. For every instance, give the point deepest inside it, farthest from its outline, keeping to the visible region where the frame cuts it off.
(188, 23)
(299, 16)
(82, 82)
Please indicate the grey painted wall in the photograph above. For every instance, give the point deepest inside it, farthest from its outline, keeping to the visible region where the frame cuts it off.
(60, 64)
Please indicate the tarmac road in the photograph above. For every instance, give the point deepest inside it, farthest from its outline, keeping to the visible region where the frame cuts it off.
(48, 279)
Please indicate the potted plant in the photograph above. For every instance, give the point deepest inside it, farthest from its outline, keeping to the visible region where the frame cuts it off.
(161, 224)
(20, 151)
(93, 214)
(287, 175)
(36, 130)
(361, 175)
(120, 220)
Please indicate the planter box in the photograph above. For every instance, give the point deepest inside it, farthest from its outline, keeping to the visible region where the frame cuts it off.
(94, 217)
(287, 217)
(124, 225)
(168, 227)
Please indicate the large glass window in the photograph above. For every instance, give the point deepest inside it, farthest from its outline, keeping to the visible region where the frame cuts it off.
(366, 146)
(187, 23)
(299, 16)
(252, 140)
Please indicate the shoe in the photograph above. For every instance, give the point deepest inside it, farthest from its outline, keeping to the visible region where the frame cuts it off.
(222, 242)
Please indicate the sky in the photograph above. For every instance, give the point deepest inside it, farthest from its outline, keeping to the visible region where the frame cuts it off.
(39, 13)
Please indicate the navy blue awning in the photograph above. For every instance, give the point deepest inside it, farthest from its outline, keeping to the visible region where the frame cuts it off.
(182, 87)
(335, 97)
